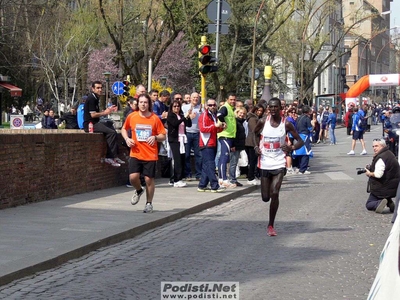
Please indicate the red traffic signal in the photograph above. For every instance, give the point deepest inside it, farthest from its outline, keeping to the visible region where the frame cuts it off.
(205, 49)
(206, 59)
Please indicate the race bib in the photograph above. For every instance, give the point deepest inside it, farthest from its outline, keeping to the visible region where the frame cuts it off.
(143, 132)
(271, 144)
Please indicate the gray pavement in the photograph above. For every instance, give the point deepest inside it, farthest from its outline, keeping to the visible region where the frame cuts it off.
(41, 236)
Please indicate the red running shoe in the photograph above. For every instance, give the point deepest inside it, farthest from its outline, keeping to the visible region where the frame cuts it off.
(271, 231)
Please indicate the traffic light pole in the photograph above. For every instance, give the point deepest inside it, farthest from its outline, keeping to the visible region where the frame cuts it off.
(203, 91)
(255, 92)
(206, 65)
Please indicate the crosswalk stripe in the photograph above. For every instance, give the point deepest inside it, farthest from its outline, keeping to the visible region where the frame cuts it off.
(338, 176)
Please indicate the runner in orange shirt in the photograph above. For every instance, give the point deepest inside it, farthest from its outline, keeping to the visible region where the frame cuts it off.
(147, 131)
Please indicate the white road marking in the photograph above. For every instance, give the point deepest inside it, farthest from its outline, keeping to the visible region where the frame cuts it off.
(338, 176)
(79, 229)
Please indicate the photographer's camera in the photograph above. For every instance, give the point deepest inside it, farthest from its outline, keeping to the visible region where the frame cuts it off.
(362, 170)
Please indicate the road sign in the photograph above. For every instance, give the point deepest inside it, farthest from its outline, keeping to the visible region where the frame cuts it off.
(325, 101)
(256, 73)
(224, 28)
(118, 88)
(17, 121)
(212, 11)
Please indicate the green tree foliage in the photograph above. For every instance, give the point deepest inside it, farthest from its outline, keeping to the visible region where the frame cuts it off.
(45, 43)
(145, 30)
(237, 47)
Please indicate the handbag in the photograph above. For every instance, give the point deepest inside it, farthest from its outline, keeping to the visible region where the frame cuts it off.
(243, 159)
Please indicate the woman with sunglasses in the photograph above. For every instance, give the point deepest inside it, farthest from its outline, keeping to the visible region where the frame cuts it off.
(177, 123)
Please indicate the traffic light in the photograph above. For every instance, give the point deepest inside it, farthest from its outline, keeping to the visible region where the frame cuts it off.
(126, 88)
(206, 60)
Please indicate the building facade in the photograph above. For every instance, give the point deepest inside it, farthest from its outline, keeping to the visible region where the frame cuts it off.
(370, 42)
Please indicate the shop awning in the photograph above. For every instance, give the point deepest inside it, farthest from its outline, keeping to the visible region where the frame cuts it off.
(14, 90)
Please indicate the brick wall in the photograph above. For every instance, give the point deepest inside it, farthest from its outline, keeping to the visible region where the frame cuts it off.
(38, 165)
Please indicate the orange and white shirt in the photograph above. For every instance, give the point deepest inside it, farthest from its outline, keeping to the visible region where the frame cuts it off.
(142, 128)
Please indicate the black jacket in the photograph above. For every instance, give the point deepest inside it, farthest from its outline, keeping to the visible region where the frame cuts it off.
(303, 124)
(240, 138)
(71, 121)
(252, 120)
(173, 126)
(386, 186)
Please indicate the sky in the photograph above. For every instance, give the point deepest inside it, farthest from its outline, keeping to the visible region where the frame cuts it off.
(395, 13)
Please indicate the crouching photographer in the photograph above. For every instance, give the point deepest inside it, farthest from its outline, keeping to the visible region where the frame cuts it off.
(384, 177)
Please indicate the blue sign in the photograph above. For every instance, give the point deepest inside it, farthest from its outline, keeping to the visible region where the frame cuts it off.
(118, 88)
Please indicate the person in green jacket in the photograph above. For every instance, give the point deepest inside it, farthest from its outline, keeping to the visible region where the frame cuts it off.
(226, 137)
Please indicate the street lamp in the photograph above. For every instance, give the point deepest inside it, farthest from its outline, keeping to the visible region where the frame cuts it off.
(107, 76)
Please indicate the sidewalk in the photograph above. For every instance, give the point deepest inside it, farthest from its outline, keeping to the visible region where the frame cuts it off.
(40, 236)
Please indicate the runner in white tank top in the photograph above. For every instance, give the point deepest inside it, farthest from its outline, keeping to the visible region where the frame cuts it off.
(272, 139)
(272, 148)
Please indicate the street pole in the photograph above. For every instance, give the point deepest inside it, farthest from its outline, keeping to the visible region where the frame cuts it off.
(218, 25)
(150, 75)
(253, 56)
(203, 77)
(1, 112)
(336, 85)
(203, 90)
(107, 76)
(254, 92)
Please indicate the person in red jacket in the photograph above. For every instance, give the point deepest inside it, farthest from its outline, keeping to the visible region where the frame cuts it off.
(209, 126)
(348, 119)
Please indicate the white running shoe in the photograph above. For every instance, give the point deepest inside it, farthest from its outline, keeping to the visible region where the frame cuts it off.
(119, 161)
(136, 197)
(219, 190)
(290, 171)
(148, 208)
(379, 209)
(111, 162)
(180, 184)
(206, 189)
(364, 152)
(227, 184)
(351, 152)
(253, 182)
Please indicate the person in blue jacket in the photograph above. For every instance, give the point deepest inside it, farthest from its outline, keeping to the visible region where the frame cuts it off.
(332, 125)
(357, 133)
(79, 112)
